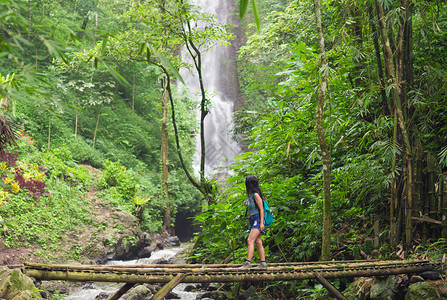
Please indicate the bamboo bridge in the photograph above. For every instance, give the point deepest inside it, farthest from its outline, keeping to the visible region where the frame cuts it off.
(195, 273)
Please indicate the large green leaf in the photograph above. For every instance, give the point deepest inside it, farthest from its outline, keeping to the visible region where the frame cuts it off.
(168, 64)
(243, 8)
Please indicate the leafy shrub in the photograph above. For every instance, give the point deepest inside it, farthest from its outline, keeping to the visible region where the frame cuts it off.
(116, 175)
(20, 176)
(59, 163)
(33, 176)
(84, 153)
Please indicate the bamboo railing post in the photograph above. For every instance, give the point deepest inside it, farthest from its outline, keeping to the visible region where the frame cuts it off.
(330, 288)
(121, 291)
(444, 205)
(376, 235)
(169, 286)
(431, 200)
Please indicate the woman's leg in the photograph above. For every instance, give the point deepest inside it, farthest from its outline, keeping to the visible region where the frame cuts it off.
(252, 237)
(261, 251)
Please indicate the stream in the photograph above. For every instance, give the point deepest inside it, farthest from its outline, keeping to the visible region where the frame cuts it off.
(91, 290)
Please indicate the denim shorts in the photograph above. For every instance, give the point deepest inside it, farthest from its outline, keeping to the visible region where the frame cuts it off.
(253, 222)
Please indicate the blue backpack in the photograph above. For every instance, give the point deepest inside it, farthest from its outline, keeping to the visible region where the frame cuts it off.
(268, 216)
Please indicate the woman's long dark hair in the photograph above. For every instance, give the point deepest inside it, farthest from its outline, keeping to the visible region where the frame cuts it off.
(252, 185)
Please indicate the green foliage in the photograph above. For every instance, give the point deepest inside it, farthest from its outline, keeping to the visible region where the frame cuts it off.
(223, 233)
(431, 251)
(118, 177)
(140, 199)
(47, 220)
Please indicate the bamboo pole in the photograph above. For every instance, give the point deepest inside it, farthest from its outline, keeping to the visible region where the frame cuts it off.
(169, 287)
(444, 205)
(121, 291)
(200, 267)
(330, 288)
(230, 274)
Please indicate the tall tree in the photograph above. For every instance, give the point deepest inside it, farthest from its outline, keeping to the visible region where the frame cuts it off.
(325, 154)
(395, 75)
(164, 156)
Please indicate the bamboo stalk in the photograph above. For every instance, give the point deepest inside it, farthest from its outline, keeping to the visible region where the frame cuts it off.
(169, 287)
(121, 291)
(330, 288)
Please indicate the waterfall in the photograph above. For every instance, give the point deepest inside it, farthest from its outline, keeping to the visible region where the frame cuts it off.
(220, 80)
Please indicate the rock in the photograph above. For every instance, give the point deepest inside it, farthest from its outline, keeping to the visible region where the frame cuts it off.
(172, 241)
(13, 283)
(160, 245)
(359, 289)
(146, 251)
(219, 295)
(416, 278)
(172, 295)
(191, 288)
(212, 287)
(421, 290)
(162, 261)
(384, 290)
(54, 287)
(430, 275)
(204, 296)
(102, 296)
(249, 294)
(140, 292)
(24, 295)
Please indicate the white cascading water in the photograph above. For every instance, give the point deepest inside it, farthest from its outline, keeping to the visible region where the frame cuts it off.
(220, 80)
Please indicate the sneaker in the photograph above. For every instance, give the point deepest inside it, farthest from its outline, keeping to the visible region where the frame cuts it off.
(246, 265)
(262, 265)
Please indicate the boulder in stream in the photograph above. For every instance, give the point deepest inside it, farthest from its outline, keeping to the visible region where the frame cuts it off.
(15, 285)
(140, 292)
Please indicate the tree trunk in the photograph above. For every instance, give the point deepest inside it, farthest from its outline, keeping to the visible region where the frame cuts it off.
(30, 2)
(76, 125)
(133, 87)
(49, 129)
(432, 197)
(394, 193)
(326, 158)
(164, 158)
(176, 134)
(375, 33)
(96, 129)
(206, 188)
(115, 92)
(419, 203)
(444, 205)
(395, 75)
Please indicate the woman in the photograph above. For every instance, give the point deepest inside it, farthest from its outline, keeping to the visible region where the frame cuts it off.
(256, 220)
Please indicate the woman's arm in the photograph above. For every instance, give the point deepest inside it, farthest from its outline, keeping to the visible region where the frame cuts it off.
(260, 204)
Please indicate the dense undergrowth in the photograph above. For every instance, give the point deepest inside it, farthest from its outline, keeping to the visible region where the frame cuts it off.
(45, 177)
